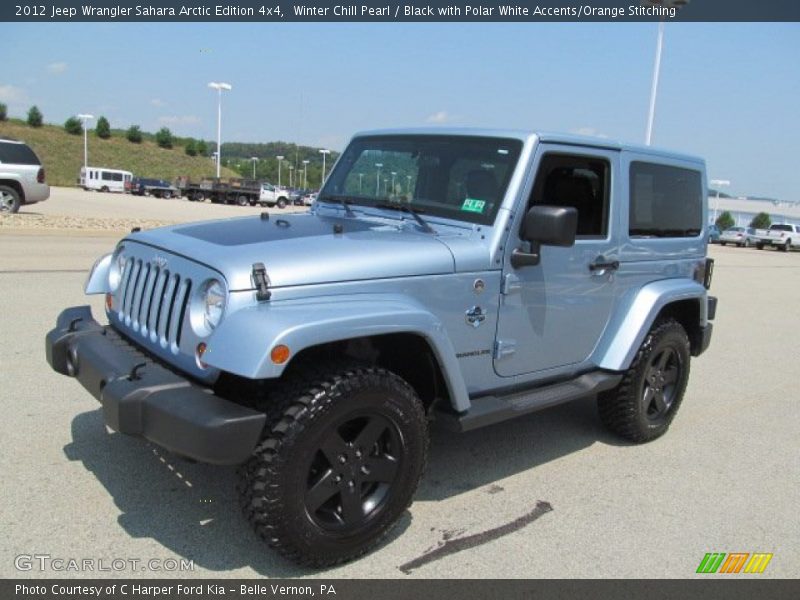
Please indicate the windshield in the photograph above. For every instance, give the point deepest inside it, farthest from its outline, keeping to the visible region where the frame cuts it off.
(457, 177)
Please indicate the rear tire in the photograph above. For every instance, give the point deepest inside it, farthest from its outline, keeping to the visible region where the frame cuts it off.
(104, 189)
(643, 405)
(785, 247)
(338, 463)
(9, 200)
(166, 195)
(243, 200)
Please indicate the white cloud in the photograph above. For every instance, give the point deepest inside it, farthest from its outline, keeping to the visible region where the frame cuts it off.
(590, 131)
(440, 117)
(57, 68)
(179, 120)
(12, 94)
(158, 102)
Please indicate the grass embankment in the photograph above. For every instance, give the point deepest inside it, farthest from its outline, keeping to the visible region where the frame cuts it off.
(62, 154)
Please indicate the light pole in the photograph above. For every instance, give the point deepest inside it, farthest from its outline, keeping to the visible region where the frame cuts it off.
(360, 179)
(219, 87)
(305, 174)
(651, 113)
(408, 186)
(255, 160)
(291, 176)
(394, 174)
(83, 119)
(717, 183)
(378, 180)
(280, 158)
(324, 154)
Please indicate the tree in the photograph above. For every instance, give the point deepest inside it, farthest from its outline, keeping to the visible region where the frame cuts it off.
(191, 148)
(134, 134)
(35, 117)
(164, 138)
(103, 129)
(3, 112)
(761, 221)
(202, 149)
(73, 126)
(725, 221)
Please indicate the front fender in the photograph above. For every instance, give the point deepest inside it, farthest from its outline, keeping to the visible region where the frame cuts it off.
(243, 341)
(616, 353)
(97, 281)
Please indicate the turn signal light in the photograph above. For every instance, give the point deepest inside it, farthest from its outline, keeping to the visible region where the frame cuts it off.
(280, 354)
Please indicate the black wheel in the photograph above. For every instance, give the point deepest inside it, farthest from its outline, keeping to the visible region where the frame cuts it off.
(9, 199)
(104, 188)
(722, 243)
(760, 246)
(338, 464)
(643, 405)
(747, 243)
(166, 194)
(242, 200)
(785, 247)
(281, 202)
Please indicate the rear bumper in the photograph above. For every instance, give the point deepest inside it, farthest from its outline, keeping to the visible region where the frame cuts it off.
(36, 192)
(144, 399)
(703, 340)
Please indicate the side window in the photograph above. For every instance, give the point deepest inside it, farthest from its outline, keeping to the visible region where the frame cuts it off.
(665, 201)
(581, 182)
(117, 176)
(105, 176)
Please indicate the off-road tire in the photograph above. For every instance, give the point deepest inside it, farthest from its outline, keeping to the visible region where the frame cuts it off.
(322, 406)
(9, 200)
(660, 371)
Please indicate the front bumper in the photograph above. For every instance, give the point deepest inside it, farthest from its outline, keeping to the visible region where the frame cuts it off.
(142, 398)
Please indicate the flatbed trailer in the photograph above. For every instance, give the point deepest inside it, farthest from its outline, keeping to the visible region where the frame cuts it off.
(244, 192)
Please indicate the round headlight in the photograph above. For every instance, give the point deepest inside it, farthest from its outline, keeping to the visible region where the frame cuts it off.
(213, 299)
(116, 269)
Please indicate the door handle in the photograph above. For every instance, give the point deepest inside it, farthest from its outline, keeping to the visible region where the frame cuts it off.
(601, 264)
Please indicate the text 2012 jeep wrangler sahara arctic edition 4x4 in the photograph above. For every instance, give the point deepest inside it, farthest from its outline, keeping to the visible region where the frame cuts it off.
(467, 276)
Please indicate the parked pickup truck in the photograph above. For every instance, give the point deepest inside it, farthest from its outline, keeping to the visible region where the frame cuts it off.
(272, 195)
(142, 186)
(779, 235)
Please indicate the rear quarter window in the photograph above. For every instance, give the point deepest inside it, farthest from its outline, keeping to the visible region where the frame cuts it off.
(665, 201)
(17, 154)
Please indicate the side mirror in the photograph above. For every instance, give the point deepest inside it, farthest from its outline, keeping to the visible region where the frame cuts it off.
(548, 226)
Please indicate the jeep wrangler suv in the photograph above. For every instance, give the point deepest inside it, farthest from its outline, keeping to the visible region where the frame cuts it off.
(466, 276)
(22, 179)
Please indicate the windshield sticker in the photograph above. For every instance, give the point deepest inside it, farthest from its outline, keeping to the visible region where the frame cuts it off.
(473, 205)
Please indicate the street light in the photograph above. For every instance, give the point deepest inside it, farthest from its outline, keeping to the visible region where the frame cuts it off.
(305, 174)
(394, 173)
(324, 154)
(255, 160)
(360, 179)
(408, 186)
(83, 119)
(378, 180)
(717, 183)
(651, 113)
(219, 87)
(291, 176)
(280, 158)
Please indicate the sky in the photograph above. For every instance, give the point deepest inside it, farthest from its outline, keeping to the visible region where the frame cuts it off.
(728, 92)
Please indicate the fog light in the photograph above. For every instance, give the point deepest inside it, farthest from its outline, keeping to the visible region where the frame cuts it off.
(201, 350)
(280, 354)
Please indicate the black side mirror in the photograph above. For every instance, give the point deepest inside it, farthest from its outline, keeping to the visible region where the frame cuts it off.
(545, 225)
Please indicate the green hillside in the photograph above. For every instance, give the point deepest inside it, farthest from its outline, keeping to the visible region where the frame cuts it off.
(62, 154)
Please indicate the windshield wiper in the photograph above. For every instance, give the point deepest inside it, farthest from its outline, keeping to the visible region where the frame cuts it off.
(413, 212)
(345, 201)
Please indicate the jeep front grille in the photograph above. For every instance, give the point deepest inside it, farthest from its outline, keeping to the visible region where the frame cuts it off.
(152, 302)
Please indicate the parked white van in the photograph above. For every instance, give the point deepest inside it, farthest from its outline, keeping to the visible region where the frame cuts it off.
(105, 180)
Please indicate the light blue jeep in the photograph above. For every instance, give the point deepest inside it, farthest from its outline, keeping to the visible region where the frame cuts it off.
(467, 276)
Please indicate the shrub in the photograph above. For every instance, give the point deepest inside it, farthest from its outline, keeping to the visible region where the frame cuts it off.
(725, 221)
(35, 117)
(134, 134)
(202, 148)
(73, 126)
(761, 221)
(103, 129)
(191, 148)
(164, 138)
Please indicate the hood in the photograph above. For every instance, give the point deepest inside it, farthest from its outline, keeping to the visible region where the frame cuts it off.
(305, 249)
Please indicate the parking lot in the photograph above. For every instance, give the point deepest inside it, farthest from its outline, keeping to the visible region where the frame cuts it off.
(726, 478)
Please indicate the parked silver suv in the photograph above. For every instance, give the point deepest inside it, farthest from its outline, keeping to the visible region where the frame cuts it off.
(22, 179)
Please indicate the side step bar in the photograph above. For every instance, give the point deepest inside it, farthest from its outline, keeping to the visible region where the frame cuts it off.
(488, 410)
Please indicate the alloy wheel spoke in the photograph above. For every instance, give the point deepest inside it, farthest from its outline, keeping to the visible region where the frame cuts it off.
(371, 433)
(352, 510)
(321, 491)
(671, 376)
(659, 401)
(333, 447)
(381, 469)
(664, 359)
